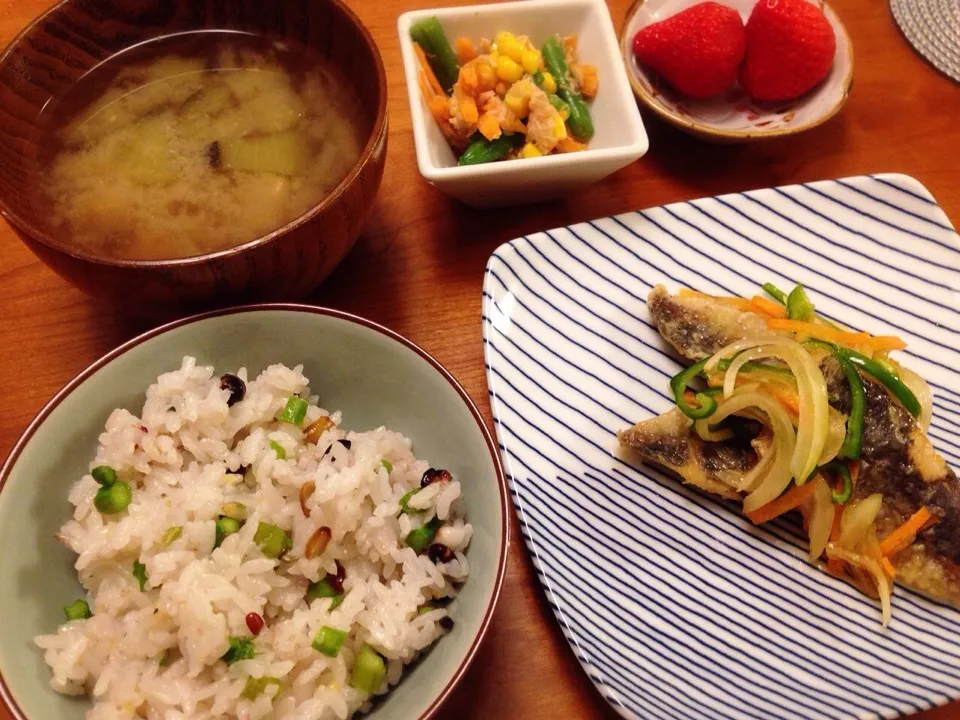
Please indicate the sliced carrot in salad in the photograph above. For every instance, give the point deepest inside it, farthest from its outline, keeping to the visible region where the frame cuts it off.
(426, 71)
(488, 126)
(464, 49)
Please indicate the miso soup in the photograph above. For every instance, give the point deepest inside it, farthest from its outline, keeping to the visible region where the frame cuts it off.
(196, 143)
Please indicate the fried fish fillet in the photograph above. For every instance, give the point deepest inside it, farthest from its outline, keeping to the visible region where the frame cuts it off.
(897, 459)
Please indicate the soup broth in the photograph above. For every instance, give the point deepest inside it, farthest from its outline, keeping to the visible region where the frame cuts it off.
(196, 143)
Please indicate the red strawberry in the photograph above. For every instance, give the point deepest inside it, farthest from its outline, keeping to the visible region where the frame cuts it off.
(790, 47)
(698, 50)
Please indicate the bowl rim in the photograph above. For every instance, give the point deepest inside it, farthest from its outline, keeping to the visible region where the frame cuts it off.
(706, 131)
(634, 146)
(7, 700)
(378, 133)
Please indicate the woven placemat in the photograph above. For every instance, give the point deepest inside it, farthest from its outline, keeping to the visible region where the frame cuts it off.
(933, 28)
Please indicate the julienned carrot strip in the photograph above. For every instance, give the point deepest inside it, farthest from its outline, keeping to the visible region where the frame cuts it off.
(427, 70)
(739, 303)
(821, 331)
(786, 502)
(767, 307)
(886, 342)
(788, 398)
(903, 535)
(887, 566)
(879, 343)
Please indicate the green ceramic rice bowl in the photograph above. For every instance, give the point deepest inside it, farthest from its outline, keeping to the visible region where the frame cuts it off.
(374, 377)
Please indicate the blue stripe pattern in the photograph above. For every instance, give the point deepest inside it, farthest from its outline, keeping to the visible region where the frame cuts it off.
(675, 605)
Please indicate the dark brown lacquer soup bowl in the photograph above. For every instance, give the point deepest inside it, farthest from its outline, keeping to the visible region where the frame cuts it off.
(65, 44)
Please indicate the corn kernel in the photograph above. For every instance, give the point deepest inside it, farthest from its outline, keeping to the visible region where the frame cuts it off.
(530, 151)
(508, 70)
(549, 85)
(519, 105)
(508, 45)
(559, 127)
(530, 61)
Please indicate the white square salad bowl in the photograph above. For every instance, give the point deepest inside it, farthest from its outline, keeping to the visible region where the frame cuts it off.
(620, 137)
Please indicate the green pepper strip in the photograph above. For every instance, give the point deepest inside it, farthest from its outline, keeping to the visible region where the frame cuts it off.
(890, 381)
(781, 297)
(776, 293)
(839, 498)
(799, 306)
(888, 366)
(679, 382)
(851, 441)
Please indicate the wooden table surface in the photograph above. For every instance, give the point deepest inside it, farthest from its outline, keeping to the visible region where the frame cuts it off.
(419, 265)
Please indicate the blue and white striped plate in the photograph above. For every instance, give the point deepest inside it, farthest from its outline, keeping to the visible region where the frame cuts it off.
(676, 606)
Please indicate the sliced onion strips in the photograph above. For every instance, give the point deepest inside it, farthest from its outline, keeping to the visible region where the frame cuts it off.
(784, 443)
(919, 387)
(820, 517)
(750, 481)
(858, 520)
(871, 565)
(813, 422)
(836, 433)
(709, 435)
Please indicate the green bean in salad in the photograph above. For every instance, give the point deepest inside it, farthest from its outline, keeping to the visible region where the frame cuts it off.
(429, 35)
(579, 121)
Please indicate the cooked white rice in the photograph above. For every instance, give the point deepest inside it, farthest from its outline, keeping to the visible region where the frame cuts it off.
(157, 653)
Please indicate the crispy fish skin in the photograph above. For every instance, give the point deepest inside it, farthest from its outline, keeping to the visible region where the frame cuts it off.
(697, 326)
(897, 459)
(669, 441)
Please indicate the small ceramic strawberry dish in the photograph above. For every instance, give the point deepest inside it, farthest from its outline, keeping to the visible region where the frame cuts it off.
(738, 69)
